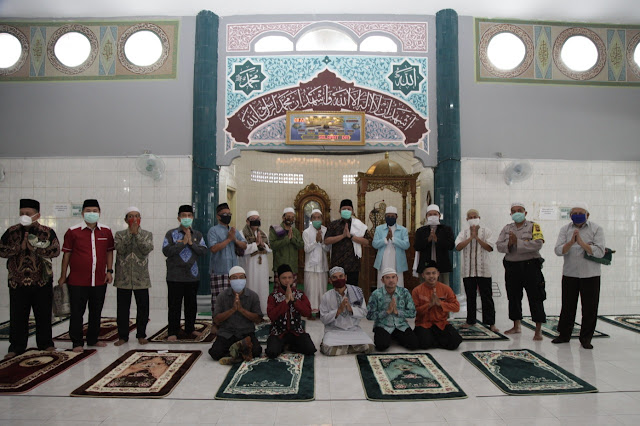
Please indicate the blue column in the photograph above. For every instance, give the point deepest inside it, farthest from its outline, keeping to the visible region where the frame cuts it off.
(205, 182)
(447, 174)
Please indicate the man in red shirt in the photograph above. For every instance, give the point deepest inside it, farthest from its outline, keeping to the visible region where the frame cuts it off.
(434, 301)
(88, 249)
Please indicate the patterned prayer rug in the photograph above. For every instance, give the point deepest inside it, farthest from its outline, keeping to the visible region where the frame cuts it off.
(550, 328)
(264, 328)
(289, 377)
(203, 326)
(477, 332)
(630, 322)
(5, 327)
(108, 330)
(26, 371)
(524, 372)
(140, 374)
(406, 376)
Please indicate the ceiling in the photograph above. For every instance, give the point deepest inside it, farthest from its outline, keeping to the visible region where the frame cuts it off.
(603, 11)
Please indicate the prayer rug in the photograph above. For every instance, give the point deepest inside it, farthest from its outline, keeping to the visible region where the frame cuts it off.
(524, 372)
(32, 368)
(405, 377)
(264, 328)
(630, 322)
(5, 327)
(140, 374)
(203, 326)
(108, 330)
(289, 377)
(477, 332)
(550, 328)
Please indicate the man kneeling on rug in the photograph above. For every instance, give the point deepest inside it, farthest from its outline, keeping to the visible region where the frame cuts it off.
(285, 307)
(434, 301)
(238, 312)
(389, 308)
(341, 310)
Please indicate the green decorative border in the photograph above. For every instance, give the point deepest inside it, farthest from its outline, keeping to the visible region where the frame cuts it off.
(557, 76)
(172, 60)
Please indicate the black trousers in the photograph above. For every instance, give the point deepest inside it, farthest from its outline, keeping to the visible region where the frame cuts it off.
(220, 347)
(300, 344)
(176, 292)
(21, 301)
(79, 297)
(525, 275)
(471, 285)
(142, 309)
(433, 337)
(589, 291)
(382, 338)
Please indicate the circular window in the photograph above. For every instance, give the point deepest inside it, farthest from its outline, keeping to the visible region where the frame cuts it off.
(72, 48)
(14, 49)
(579, 53)
(143, 48)
(506, 50)
(633, 54)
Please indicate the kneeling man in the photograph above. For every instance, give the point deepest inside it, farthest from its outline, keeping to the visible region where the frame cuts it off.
(389, 308)
(434, 301)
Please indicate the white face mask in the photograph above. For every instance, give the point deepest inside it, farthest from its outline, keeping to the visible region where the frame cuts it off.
(433, 220)
(26, 220)
(474, 222)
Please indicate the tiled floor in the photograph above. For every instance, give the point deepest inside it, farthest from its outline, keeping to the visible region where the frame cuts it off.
(613, 367)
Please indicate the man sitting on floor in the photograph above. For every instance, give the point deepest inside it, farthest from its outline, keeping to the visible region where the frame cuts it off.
(285, 307)
(389, 308)
(434, 301)
(237, 312)
(341, 310)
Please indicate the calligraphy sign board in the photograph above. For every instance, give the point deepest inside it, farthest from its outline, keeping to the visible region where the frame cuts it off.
(325, 128)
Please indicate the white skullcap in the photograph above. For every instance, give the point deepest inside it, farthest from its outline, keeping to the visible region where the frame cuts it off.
(132, 209)
(252, 213)
(580, 205)
(314, 211)
(388, 271)
(391, 209)
(335, 269)
(237, 270)
(288, 210)
(433, 207)
(518, 204)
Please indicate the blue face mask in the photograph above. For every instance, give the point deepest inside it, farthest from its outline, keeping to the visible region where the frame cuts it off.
(518, 217)
(91, 217)
(345, 214)
(186, 222)
(390, 221)
(579, 219)
(238, 285)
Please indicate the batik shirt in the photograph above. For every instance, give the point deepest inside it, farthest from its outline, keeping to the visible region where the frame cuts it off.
(286, 317)
(379, 303)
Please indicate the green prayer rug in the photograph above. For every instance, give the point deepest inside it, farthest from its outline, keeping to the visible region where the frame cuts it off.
(630, 322)
(524, 372)
(477, 332)
(406, 377)
(5, 327)
(289, 377)
(550, 328)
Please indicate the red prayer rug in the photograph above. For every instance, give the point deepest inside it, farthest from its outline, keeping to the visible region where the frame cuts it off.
(108, 330)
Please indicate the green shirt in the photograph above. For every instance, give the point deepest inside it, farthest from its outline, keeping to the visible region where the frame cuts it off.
(379, 303)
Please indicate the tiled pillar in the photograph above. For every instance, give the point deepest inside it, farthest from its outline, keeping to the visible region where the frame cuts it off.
(447, 174)
(204, 188)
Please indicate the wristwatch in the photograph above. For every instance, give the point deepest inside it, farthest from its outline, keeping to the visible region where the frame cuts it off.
(110, 271)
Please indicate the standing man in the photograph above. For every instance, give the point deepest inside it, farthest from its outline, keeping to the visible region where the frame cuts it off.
(285, 242)
(580, 276)
(389, 308)
(434, 241)
(88, 249)
(286, 307)
(182, 246)
(133, 246)
(521, 242)
(474, 243)
(347, 236)
(29, 248)
(224, 243)
(391, 240)
(255, 257)
(315, 261)
(434, 300)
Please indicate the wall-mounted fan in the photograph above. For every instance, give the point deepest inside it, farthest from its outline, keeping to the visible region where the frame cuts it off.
(150, 165)
(517, 171)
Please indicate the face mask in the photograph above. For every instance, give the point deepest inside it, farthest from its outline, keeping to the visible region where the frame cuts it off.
(26, 220)
(186, 222)
(225, 218)
(576, 218)
(254, 222)
(317, 224)
(518, 217)
(339, 283)
(473, 222)
(390, 221)
(238, 285)
(433, 220)
(91, 217)
(345, 214)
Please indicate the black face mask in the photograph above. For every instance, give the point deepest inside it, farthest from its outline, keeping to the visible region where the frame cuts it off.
(225, 218)
(254, 222)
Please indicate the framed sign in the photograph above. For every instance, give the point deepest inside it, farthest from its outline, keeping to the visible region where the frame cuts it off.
(325, 128)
